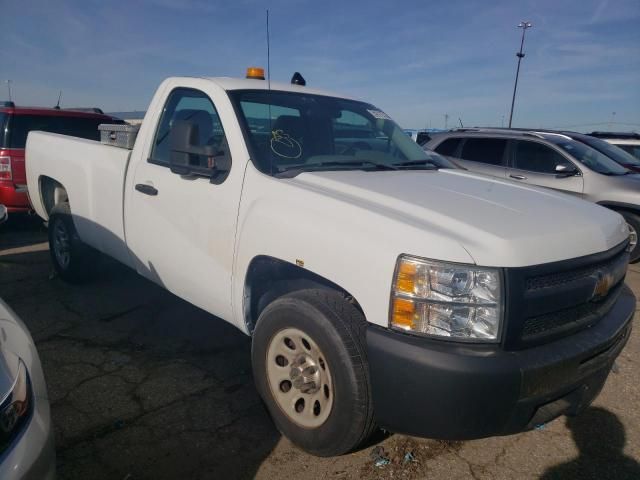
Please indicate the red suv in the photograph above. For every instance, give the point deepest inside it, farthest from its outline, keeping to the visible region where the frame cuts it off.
(17, 122)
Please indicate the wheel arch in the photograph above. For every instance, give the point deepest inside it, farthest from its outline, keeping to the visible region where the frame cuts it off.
(52, 193)
(620, 206)
(268, 278)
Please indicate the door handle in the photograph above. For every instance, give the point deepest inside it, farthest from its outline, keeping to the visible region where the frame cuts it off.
(147, 189)
(518, 177)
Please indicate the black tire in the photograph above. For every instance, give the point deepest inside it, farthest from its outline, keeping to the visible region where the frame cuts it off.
(339, 330)
(633, 221)
(73, 260)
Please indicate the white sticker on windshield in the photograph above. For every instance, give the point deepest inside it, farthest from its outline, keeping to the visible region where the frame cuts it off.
(379, 114)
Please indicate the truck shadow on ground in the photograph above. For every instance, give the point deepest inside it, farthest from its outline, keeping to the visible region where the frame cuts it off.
(600, 438)
(141, 384)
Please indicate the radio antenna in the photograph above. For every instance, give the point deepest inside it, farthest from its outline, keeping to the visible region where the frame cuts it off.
(57, 107)
(268, 54)
(9, 88)
(269, 92)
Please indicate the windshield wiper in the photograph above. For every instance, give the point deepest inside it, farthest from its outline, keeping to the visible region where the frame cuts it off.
(293, 170)
(411, 163)
(355, 163)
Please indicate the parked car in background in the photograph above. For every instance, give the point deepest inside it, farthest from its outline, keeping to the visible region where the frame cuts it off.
(16, 122)
(612, 151)
(628, 141)
(379, 286)
(419, 136)
(26, 436)
(553, 160)
(3, 214)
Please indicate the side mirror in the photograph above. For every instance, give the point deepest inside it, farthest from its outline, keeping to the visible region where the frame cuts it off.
(4, 215)
(183, 142)
(565, 170)
(183, 145)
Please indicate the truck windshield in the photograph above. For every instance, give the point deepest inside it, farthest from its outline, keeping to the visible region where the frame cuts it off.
(590, 157)
(297, 132)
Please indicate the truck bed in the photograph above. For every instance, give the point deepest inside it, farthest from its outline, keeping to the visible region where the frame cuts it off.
(93, 176)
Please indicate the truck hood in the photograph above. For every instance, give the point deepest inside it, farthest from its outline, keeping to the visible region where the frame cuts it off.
(498, 223)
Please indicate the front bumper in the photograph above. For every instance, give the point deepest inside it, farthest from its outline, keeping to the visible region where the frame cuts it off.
(450, 391)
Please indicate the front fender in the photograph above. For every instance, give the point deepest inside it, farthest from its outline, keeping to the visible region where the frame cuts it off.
(348, 244)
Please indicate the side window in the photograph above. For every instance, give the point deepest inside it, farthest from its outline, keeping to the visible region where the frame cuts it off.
(422, 138)
(632, 149)
(536, 157)
(185, 104)
(449, 147)
(78, 127)
(484, 150)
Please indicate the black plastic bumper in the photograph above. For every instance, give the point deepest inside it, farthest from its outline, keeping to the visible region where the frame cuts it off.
(443, 390)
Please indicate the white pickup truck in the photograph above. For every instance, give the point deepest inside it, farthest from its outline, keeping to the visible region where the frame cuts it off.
(381, 287)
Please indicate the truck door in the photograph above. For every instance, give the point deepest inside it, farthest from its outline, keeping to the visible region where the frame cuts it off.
(181, 229)
(535, 163)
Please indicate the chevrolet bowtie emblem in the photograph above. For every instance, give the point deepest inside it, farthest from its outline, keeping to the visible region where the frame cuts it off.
(604, 281)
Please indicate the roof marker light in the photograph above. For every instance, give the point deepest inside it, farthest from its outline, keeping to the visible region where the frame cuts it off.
(256, 73)
(298, 79)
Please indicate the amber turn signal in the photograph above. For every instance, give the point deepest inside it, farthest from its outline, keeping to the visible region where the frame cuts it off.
(403, 313)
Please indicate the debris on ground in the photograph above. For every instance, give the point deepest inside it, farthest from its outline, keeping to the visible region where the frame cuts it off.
(379, 456)
(408, 457)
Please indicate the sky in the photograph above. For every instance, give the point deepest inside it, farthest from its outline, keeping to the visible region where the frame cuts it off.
(416, 60)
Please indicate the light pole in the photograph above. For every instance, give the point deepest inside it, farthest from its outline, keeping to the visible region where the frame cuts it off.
(520, 55)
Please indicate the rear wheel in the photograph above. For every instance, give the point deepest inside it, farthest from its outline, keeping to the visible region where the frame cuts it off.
(310, 367)
(73, 260)
(633, 221)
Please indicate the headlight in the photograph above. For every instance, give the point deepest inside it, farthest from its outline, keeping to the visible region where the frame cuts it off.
(15, 406)
(446, 300)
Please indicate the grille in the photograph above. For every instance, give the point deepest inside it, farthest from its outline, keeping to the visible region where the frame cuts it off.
(561, 278)
(569, 319)
(558, 299)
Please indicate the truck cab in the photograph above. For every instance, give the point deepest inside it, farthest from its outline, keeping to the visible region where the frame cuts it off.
(381, 286)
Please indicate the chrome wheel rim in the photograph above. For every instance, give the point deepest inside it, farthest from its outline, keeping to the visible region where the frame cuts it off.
(299, 378)
(61, 244)
(633, 237)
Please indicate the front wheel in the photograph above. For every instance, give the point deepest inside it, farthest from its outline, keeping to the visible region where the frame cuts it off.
(633, 222)
(73, 260)
(310, 367)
